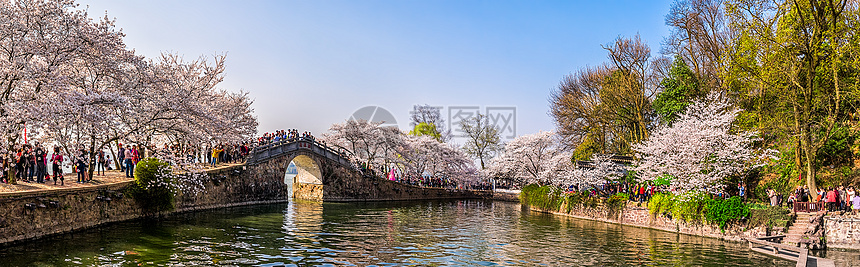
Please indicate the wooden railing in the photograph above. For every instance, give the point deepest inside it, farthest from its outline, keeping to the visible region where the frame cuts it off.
(809, 206)
(802, 253)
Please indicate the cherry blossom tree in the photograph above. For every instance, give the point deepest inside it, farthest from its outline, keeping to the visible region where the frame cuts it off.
(526, 157)
(699, 150)
(562, 172)
(73, 80)
(420, 155)
(415, 156)
(38, 39)
(366, 141)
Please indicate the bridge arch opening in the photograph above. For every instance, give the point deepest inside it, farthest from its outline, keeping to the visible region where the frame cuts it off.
(307, 171)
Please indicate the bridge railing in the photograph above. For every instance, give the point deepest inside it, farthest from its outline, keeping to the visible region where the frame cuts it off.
(272, 149)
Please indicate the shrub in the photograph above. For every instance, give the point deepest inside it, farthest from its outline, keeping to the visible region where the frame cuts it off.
(723, 211)
(661, 203)
(545, 197)
(690, 207)
(769, 216)
(152, 188)
(575, 199)
(615, 203)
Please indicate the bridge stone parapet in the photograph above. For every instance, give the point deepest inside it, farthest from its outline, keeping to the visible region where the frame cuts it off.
(324, 174)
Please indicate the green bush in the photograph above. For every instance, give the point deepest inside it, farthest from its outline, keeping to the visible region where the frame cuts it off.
(615, 203)
(690, 207)
(552, 198)
(769, 216)
(545, 197)
(661, 203)
(575, 199)
(723, 211)
(152, 188)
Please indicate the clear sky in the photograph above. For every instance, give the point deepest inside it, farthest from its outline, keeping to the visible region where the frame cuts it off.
(308, 64)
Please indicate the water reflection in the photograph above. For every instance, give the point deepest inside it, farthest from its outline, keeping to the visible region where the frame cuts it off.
(447, 233)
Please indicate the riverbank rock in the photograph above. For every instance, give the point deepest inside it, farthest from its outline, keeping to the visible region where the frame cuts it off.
(813, 237)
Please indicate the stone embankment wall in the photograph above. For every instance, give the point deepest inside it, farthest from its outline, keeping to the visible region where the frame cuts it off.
(842, 231)
(29, 215)
(634, 215)
(341, 184)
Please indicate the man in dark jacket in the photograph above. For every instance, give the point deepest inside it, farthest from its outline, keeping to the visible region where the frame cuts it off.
(41, 168)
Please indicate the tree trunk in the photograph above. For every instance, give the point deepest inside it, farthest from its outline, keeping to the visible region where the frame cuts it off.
(92, 159)
(116, 156)
(10, 174)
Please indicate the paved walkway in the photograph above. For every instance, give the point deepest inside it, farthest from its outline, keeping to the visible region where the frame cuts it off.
(109, 177)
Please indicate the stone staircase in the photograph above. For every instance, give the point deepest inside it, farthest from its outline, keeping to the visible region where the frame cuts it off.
(796, 231)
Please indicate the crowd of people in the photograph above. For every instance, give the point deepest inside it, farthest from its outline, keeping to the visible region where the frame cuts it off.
(29, 163)
(281, 135)
(638, 192)
(839, 198)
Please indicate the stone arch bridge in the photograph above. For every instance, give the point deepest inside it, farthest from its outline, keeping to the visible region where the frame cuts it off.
(325, 174)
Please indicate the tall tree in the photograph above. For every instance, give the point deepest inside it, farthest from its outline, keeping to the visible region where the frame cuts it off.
(680, 87)
(699, 36)
(430, 116)
(577, 110)
(38, 39)
(607, 109)
(482, 138)
(709, 152)
(629, 90)
(797, 50)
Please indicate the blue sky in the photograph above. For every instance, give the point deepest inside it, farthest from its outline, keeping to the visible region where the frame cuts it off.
(308, 64)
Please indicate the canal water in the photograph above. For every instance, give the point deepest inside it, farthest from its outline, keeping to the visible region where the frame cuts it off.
(437, 233)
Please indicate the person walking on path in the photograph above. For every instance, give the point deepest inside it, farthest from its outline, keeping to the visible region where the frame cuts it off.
(57, 162)
(81, 163)
(215, 151)
(129, 163)
(31, 163)
(831, 199)
(772, 195)
(135, 154)
(41, 159)
(100, 168)
(120, 156)
(856, 204)
(20, 167)
(849, 196)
